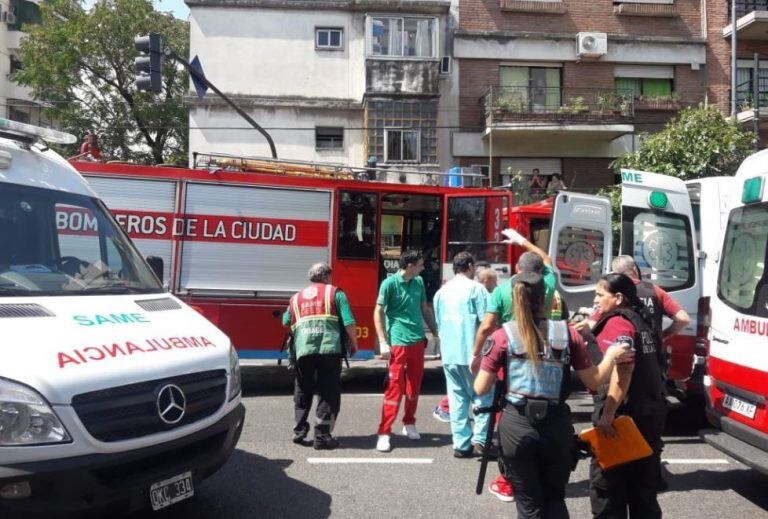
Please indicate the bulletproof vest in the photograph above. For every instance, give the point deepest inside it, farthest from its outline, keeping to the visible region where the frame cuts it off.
(647, 295)
(646, 381)
(544, 380)
(315, 321)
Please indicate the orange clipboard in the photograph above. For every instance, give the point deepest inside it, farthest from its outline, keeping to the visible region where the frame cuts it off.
(629, 445)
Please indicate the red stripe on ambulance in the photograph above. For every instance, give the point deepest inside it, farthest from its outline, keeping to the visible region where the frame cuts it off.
(88, 354)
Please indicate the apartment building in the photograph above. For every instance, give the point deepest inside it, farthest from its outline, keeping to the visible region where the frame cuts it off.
(16, 101)
(354, 82)
(751, 38)
(566, 86)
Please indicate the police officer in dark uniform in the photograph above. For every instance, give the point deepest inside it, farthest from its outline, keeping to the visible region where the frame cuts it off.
(535, 430)
(657, 301)
(319, 317)
(637, 391)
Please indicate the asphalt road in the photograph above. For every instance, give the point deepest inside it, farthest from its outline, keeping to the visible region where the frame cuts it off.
(270, 477)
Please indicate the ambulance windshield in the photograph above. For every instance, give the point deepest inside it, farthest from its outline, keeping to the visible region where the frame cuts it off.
(57, 243)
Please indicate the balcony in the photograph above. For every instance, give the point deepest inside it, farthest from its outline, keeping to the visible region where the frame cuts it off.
(561, 120)
(556, 105)
(751, 20)
(745, 103)
(402, 77)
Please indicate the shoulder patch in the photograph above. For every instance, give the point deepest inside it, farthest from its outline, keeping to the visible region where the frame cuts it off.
(488, 346)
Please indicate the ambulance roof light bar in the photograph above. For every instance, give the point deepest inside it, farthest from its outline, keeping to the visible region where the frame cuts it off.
(28, 133)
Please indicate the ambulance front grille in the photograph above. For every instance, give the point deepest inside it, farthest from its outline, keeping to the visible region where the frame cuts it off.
(24, 310)
(130, 411)
(158, 305)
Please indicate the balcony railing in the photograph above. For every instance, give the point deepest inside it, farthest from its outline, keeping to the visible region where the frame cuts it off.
(557, 104)
(744, 7)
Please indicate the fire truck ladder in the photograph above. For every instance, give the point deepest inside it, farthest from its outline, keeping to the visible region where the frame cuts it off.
(219, 161)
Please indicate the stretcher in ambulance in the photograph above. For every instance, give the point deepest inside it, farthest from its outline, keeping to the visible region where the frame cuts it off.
(113, 393)
(737, 366)
(240, 235)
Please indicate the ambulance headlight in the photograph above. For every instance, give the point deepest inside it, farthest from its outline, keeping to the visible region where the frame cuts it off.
(26, 418)
(234, 373)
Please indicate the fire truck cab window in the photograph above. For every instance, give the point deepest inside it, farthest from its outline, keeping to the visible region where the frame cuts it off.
(579, 256)
(475, 225)
(357, 225)
(662, 246)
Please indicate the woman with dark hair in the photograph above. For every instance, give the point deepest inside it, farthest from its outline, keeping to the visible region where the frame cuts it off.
(636, 390)
(536, 432)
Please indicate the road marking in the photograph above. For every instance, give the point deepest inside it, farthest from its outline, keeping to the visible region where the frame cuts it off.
(393, 461)
(695, 461)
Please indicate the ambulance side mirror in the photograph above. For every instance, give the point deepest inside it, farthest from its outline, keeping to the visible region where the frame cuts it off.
(156, 264)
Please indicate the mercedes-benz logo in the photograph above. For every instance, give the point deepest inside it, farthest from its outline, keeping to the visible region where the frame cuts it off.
(171, 404)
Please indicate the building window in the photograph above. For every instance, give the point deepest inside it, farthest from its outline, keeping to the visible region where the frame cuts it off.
(649, 81)
(329, 38)
(402, 37)
(744, 87)
(329, 138)
(383, 117)
(646, 87)
(15, 64)
(402, 146)
(643, 1)
(531, 89)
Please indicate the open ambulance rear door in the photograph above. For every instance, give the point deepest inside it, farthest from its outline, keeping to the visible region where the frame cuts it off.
(580, 245)
(657, 229)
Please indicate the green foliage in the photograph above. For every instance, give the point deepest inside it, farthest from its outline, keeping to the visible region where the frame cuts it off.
(699, 142)
(81, 64)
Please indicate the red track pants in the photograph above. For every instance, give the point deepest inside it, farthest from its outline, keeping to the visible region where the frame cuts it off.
(406, 369)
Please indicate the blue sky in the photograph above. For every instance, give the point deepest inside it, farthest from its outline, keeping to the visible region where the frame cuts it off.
(177, 7)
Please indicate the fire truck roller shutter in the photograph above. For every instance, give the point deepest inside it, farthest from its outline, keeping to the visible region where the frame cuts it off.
(254, 238)
(126, 197)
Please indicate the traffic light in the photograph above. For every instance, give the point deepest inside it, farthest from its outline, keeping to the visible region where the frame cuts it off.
(149, 64)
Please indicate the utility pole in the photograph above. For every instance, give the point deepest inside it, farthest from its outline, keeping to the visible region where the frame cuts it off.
(756, 100)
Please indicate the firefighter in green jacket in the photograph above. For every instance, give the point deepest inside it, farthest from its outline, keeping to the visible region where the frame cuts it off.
(321, 320)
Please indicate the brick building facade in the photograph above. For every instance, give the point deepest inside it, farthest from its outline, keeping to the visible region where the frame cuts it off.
(567, 86)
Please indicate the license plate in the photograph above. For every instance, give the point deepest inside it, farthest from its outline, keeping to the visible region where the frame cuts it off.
(167, 492)
(739, 406)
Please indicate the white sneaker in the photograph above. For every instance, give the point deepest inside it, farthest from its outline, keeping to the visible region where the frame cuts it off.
(411, 432)
(383, 444)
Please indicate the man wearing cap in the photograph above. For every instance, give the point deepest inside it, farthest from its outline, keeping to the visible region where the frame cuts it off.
(319, 316)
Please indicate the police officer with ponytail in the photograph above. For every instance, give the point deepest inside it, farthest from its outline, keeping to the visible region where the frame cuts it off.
(636, 390)
(536, 431)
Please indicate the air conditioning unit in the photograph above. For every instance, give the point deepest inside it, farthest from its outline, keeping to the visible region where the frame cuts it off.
(591, 44)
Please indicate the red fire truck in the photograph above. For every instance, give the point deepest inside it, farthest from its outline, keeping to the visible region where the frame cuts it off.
(237, 236)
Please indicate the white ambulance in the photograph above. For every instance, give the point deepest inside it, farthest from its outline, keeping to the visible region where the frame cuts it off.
(675, 246)
(112, 391)
(737, 366)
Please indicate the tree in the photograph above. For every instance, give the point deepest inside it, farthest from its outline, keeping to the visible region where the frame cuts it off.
(79, 64)
(699, 142)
